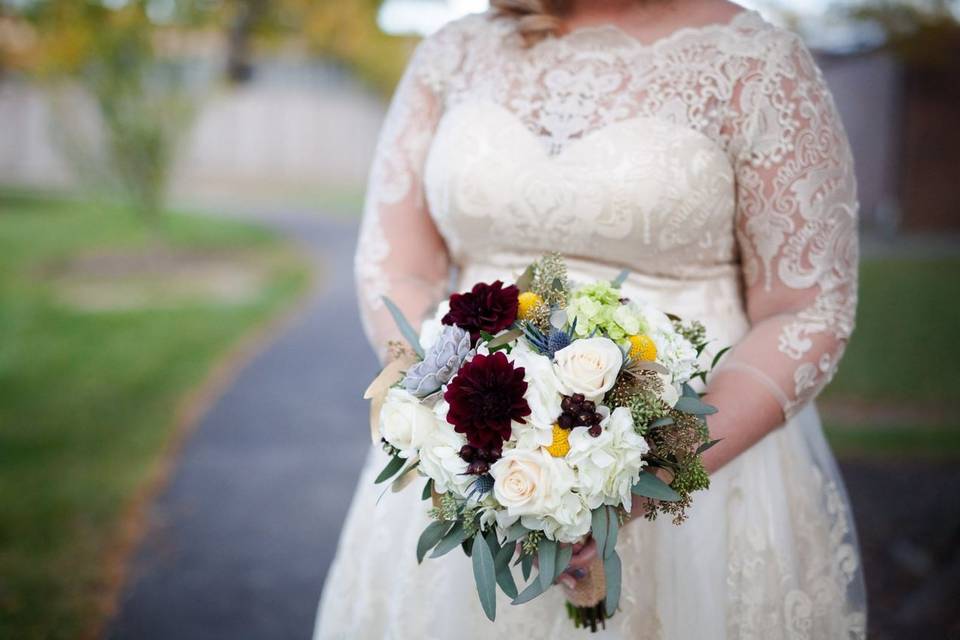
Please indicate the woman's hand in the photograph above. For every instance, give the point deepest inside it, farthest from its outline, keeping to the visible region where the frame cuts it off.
(583, 554)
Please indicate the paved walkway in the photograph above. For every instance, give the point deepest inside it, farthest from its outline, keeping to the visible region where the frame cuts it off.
(239, 542)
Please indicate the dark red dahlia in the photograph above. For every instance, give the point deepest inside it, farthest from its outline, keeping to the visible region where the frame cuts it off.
(484, 397)
(486, 307)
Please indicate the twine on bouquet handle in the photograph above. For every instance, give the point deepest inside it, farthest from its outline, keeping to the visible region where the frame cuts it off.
(585, 601)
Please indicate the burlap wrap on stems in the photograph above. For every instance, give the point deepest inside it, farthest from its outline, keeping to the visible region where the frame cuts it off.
(591, 589)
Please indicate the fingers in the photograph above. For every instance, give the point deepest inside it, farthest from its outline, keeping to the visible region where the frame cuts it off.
(582, 558)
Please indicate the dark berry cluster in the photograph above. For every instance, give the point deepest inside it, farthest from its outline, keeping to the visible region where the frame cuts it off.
(478, 460)
(579, 412)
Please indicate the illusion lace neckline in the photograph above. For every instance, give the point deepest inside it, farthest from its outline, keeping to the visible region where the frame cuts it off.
(613, 35)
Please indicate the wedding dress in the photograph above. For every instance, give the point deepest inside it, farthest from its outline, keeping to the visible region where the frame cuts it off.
(713, 165)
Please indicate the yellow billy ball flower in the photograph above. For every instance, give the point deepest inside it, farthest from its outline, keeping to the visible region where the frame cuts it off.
(528, 303)
(642, 348)
(561, 445)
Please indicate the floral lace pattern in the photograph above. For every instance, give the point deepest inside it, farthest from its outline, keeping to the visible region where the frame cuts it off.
(713, 164)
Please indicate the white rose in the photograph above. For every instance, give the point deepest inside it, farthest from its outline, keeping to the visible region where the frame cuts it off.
(607, 465)
(405, 422)
(530, 482)
(542, 395)
(588, 366)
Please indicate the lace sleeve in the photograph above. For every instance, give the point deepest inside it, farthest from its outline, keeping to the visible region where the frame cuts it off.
(796, 229)
(400, 253)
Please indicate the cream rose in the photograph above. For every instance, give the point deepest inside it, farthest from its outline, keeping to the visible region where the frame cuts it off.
(588, 366)
(405, 422)
(530, 482)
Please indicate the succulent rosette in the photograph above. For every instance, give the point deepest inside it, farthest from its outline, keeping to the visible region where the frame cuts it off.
(538, 412)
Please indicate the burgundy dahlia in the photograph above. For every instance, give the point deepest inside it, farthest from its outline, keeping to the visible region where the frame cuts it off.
(486, 307)
(485, 397)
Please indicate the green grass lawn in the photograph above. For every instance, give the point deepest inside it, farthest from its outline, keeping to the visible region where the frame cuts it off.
(902, 367)
(89, 393)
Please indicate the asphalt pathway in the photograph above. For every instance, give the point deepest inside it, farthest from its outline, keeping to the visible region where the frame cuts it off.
(240, 540)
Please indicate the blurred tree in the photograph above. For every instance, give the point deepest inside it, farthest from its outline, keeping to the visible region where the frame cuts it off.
(140, 97)
(924, 33)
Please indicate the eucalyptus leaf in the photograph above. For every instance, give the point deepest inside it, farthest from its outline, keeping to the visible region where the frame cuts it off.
(526, 566)
(547, 560)
(613, 529)
(688, 391)
(398, 484)
(405, 328)
(621, 278)
(661, 422)
(485, 576)
(430, 537)
(688, 404)
(564, 555)
(516, 531)
(534, 589)
(526, 279)
(505, 555)
(598, 528)
(427, 490)
(501, 564)
(650, 486)
(392, 467)
(503, 339)
(468, 546)
(612, 571)
(453, 539)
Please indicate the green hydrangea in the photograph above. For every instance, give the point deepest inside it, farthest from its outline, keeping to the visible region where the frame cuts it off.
(597, 307)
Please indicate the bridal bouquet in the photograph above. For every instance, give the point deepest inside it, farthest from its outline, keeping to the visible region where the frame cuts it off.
(536, 411)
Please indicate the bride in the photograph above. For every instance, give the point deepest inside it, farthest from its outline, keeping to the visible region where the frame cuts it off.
(697, 145)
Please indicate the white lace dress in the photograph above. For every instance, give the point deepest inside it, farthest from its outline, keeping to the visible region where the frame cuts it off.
(712, 164)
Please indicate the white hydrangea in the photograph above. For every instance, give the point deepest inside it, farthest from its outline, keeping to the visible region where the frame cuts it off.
(673, 350)
(608, 464)
(543, 396)
(440, 456)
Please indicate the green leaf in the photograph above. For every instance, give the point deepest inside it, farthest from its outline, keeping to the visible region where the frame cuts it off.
(503, 339)
(405, 328)
(503, 557)
(485, 576)
(526, 279)
(613, 528)
(707, 445)
(501, 564)
(451, 540)
(650, 486)
(719, 355)
(392, 467)
(621, 278)
(468, 546)
(427, 490)
(534, 589)
(688, 391)
(598, 528)
(516, 531)
(564, 555)
(613, 572)
(688, 404)
(526, 566)
(547, 559)
(661, 422)
(410, 467)
(430, 537)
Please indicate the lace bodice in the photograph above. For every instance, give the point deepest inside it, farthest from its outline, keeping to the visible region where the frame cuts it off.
(712, 158)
